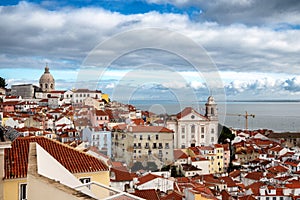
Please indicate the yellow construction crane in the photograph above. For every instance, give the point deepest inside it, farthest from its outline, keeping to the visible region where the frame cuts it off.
(246, 115)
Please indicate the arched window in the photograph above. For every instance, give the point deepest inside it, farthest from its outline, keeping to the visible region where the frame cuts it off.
(51, 86)
(212, 111)
(46, 85)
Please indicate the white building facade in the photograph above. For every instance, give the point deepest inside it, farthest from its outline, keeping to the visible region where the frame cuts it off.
(193, 129)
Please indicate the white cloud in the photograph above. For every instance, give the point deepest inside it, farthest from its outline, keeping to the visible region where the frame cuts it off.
(244, 54)
(110, 86)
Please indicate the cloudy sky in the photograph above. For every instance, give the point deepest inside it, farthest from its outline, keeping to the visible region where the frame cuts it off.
(156, 49)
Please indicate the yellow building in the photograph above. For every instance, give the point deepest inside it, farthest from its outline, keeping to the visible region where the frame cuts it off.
(105, 97)
(199, 193)
(83, 166)
(215, 154)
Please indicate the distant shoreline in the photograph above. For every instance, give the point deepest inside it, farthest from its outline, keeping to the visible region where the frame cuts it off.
(140, 102)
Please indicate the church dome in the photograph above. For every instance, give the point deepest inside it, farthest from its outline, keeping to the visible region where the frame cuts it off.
(47, 82)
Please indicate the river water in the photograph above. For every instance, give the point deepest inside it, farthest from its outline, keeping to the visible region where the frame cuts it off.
(277, 116)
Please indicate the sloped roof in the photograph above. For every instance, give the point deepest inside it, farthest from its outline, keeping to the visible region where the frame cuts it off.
(235, 173)
(255, 187)
(278, 169)
(147, 194)
(255, 175)
(101, 113)
(16, 158)
(175, 195)
(121, 175)
(228, 181)
(146, 178)
(187, 111)
(179, 154)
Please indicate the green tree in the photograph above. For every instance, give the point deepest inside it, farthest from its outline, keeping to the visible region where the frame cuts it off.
(137, 166)
(151, 166)
(226, 133)
(2, 83)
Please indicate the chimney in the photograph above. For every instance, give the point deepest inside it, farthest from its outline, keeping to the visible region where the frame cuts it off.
(189, 160)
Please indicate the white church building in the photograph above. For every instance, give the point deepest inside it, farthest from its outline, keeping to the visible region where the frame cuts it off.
(194, 129)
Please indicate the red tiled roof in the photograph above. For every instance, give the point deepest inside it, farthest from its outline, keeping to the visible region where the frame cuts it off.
(235, 173)
(44, 100)
(16, 158)
(225, 195)
(276, 149)
(255, 187)
(146, 178)
(228, 181)
(255, 175)
(187, 111)
(147, 194)
(293, 163)
(121, 175)
(179, 154)
(247, 197)
(278, 169)
(101, 113)
(226, 147)
(138, 121)
(175, 195)
(293, 184)
(58, 91)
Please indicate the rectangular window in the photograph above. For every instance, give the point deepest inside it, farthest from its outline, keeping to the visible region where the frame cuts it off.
(202, 136)
(141, 137)
(202, 129)
(156, 137)
(23, 191)
(167, 146)
(212, 139)
(160, 145)
(154, 146)
(212, 130)
(182, 129)
(148, 137)
(182, 136)
(193, 129)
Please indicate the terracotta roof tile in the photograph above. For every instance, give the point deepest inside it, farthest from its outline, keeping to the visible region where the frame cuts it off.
(187, 111)
(179, 154)
(228, 181)
(146, 178)
(255, 175)
(175, 195)
(16, 158)
(235, 173)
(120, 175)
(278, 169)
(147, 194)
